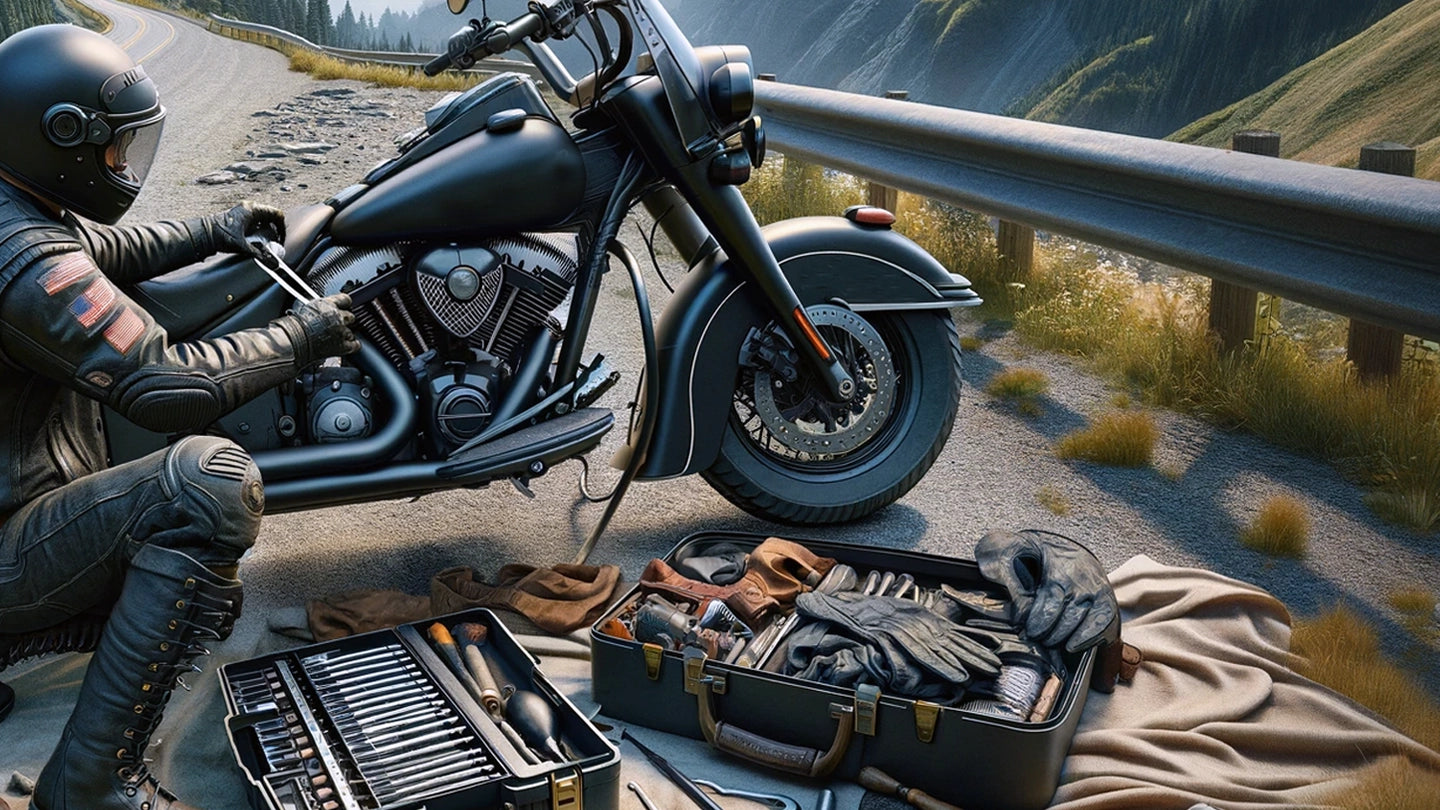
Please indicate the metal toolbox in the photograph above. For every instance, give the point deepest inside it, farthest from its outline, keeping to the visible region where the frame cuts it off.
(966, 757)
(378, 721)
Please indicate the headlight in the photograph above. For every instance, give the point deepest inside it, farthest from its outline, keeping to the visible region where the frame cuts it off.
(730, 82)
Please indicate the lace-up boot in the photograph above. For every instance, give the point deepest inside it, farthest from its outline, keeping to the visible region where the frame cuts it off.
(79, 634)
(170, 607)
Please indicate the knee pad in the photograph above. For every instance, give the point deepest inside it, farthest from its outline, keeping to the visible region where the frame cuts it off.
(218, 483)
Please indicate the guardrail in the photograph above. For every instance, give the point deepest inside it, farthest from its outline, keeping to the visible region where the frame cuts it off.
(1355, 243)
(255, 32)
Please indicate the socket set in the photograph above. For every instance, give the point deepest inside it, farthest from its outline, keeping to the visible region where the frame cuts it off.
(392, 720)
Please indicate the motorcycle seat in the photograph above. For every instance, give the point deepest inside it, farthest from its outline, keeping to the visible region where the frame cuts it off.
(189, 299)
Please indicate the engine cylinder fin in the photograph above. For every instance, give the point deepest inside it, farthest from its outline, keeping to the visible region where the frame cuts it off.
(373, 329)
(379, 306)
(404, 312)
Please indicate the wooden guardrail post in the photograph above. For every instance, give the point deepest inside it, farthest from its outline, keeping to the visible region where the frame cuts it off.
(1232, 306)
(881, 195)
(1015, 245)
(1376, 350)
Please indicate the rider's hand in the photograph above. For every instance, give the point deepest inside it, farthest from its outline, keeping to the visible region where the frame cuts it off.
(230, 228)
(321, 329)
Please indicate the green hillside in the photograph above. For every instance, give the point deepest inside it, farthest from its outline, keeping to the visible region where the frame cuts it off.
(1145, 67)
(18, 14)
(1384, 84)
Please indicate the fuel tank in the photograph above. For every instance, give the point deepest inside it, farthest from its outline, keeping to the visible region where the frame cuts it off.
(524, 174)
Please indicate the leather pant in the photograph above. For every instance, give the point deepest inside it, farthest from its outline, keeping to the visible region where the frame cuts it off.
(67, 552)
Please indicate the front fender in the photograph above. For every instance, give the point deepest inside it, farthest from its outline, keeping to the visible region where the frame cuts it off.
(698, 338)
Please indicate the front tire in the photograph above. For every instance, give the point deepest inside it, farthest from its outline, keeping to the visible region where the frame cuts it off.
(773, 459)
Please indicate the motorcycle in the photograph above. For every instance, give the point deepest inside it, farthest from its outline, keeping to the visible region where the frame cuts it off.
(808, 370)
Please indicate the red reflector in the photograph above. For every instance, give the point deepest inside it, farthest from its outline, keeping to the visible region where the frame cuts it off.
(869, 215)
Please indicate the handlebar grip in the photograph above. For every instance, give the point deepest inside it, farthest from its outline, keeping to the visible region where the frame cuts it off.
(437, 65)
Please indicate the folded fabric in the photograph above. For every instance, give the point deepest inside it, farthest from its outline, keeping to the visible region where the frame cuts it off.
(361, 611)
(558, 600)
(719, 564)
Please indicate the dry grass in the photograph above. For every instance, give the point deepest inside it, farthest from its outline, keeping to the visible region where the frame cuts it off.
(970, 343)
(1053, 499)
(1115, 438)
(1020, 386)
(325, 67)
(1281, 529)
(1416, 606)
(1341, 651)
(1394, 784)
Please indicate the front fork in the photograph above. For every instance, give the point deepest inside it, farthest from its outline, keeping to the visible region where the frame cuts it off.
(721, 219)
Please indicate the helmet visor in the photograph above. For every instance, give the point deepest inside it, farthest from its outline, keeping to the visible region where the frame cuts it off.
(131, 153)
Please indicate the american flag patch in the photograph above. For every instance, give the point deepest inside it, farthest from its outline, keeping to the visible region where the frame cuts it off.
(70, 269)
(122, 333)
(94, 303)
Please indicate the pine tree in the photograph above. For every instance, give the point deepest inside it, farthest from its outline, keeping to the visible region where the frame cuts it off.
(345, 28)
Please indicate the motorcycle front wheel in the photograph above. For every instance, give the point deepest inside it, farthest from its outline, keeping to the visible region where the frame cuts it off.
(789, 454)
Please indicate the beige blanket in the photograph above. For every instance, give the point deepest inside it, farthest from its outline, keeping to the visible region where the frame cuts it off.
(1215, 714)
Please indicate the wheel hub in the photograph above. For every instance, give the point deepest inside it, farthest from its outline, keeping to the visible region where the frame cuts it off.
(802, 419)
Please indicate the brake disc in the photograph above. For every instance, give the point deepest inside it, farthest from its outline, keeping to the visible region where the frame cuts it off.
(803, 419)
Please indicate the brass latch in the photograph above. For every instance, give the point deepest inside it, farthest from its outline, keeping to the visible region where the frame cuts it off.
(654, 655)
(566, 793)
(695, 672)
(867, 706)
(927, 714)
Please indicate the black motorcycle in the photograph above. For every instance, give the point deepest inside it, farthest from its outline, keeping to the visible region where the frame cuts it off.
(809, 370)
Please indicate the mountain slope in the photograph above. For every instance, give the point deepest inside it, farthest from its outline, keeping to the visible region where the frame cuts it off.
(1140, 66)
(1383, 84)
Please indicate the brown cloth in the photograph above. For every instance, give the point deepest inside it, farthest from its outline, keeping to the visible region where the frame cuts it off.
(558, 600)
(776, 572)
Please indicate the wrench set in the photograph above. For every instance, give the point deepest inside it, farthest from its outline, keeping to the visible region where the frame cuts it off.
(377, 722)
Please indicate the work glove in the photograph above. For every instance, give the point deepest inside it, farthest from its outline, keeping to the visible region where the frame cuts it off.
(321, 328)
(906, 635)
(230, 230)
(1059, 589)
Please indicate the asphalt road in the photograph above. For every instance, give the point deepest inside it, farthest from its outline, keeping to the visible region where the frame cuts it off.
(994, 473)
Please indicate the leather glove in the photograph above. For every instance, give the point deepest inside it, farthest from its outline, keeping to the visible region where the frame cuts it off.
(1059, 588)
(906, 634)
(775, 573)
(321, 328)
(230, 229)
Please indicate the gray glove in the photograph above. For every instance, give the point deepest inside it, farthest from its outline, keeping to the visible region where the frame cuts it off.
(321, 328)
(1059, 588)
(229, 230)
(905, 633)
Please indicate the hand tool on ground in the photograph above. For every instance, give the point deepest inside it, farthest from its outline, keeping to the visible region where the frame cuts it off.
(640, 794)
(685, 783)
(532, 716)
(826, 800)
(872, 778)
(775, 800)
(445, 643)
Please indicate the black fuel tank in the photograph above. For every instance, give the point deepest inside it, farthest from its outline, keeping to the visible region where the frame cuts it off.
(528, 177)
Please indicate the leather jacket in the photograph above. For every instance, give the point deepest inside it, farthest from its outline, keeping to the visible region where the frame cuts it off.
(71, 340)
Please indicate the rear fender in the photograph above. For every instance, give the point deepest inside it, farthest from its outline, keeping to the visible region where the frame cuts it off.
(699, 336)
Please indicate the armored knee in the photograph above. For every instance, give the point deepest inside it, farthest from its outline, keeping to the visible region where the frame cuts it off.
(218, 483)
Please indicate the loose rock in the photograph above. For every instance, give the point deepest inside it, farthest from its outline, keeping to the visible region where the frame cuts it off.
(217, 178)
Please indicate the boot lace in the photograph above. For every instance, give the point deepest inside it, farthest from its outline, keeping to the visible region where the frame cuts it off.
(78, 634)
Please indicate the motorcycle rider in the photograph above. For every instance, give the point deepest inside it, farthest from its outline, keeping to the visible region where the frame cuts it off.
(147, 550)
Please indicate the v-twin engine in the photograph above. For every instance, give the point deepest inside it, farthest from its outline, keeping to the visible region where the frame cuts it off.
(455, 319)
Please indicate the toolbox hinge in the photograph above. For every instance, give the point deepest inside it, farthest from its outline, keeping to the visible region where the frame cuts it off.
(927, 715)
(566, 792)
(654, 655)
(695, 659)
(867, 706)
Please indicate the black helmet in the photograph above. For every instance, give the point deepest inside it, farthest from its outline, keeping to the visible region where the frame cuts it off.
(82, 119)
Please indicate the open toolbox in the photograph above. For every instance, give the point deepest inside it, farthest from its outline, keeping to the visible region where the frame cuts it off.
(976, 754)
(390, 720)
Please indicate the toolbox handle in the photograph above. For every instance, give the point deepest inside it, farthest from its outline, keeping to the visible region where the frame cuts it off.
(750, 746)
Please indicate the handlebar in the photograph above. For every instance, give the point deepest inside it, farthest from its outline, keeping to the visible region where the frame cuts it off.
(474, 42)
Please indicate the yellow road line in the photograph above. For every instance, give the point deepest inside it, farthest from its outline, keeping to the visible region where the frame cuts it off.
(144, 26)
(157, 48)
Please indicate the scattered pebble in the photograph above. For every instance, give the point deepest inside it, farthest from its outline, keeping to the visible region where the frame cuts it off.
(219, 178)
(22, 784)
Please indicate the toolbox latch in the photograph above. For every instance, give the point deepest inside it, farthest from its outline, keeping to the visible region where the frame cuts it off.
(927, 714)
(654, 655)
(867, 706)
(695, 659)
(565, 792)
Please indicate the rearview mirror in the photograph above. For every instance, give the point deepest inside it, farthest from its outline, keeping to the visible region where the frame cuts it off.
(457, 6)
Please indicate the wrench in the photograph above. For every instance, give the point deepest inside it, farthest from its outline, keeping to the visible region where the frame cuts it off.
(774, 800)
(644, 799)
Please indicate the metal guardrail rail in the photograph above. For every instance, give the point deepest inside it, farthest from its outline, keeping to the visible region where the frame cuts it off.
(1356, 243)
(415, 60)
(1359, 244)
